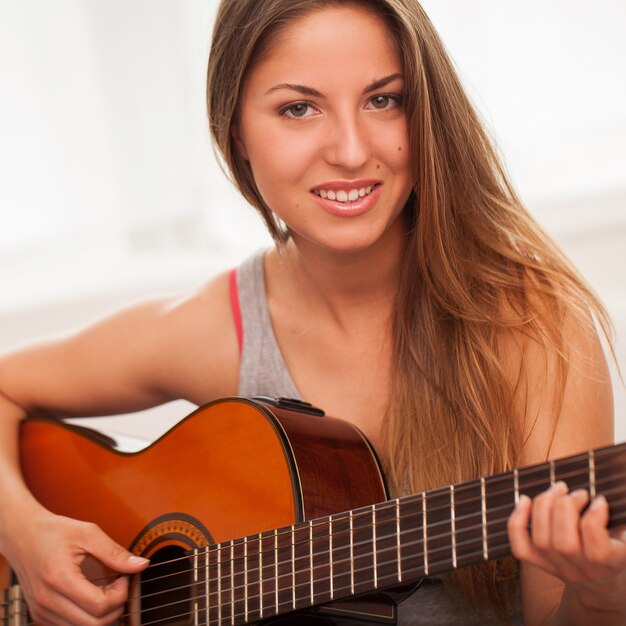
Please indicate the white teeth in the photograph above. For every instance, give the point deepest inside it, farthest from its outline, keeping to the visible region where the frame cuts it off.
(342, 195)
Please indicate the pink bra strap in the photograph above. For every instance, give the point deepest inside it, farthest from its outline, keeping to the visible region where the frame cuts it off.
(234, 302)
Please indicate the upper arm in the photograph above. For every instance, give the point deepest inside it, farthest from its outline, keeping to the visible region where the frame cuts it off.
(144, 355)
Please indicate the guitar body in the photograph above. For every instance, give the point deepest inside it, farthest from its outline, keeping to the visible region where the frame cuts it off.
(233, 468)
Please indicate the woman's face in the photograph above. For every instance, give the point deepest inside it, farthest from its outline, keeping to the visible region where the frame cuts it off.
(324, 130)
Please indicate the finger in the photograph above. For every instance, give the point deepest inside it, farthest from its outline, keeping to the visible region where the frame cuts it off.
(112, 554)
(519, 536)
(566, 537)
(70, 581)
(58, 610)
(541, 517)
(599, 546)
(568, 554)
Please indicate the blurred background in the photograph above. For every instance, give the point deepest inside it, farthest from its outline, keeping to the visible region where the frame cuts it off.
(109, 190)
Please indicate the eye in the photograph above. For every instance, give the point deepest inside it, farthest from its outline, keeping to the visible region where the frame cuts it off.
(384, 101)
(298, 109)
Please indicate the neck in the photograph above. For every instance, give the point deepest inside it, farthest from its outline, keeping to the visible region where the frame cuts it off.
(343, 285)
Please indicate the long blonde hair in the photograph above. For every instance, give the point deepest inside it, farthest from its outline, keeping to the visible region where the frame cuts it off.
(476, 265)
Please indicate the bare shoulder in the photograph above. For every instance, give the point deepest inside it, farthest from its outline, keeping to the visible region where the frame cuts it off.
(562, 393)
(199, 336)
(183, 346)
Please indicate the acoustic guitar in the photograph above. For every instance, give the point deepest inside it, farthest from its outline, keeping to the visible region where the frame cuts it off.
(255, 510)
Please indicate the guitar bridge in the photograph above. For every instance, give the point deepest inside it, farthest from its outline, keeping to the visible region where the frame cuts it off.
(13, 610)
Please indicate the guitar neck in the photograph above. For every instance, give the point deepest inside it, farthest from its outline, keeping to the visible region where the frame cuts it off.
(381, 546)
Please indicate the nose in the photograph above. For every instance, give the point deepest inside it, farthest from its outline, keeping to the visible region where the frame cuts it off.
(347, 144)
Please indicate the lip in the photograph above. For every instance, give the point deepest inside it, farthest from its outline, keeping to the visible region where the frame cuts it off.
(338, 185)
(348, 209)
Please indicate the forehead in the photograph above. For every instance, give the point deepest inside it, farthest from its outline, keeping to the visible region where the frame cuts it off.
(331, 40)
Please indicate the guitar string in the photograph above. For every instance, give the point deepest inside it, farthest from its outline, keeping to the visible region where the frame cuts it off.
(460, 488)
(413, 572)
(417, 556)
(364, 514)
(392, 549)
(432, 538)
(418, 571)
(226, 618)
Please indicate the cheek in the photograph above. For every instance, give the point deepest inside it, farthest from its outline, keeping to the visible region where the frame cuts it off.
(278, 157)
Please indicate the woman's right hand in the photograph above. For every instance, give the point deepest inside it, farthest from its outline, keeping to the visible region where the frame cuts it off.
(47, 555)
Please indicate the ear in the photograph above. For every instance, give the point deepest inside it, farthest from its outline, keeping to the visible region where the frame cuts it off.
(240, 146)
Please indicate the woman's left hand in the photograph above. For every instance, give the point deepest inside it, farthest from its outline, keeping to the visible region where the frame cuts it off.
(555, 533)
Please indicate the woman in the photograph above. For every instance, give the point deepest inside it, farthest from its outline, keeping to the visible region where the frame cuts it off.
(409, 293)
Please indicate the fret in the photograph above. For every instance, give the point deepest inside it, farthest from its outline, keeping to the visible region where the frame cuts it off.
(212, 585)
(467, 523)
(592, 474)
(425, 532)
(609, 478)
(276, 570)
(195, 597)
(453, 526)
(533, 480)
(268, 569)
(311, 570)
(330, 557)
(483, 511)
(412, 536)
(253, 573)
(207, 589)
(219, 584)
(342, 577)
(516, 485)
(232, 583)
(321, 571)
(351, 553)
(386, 550)
(293, 567)
(552, 474)
(245, 578)
(302, 575)
(363, 550)
(284, 571)
(374, 547)
(573, 471)
(398, 551)
(439, 521)
(261, 575)
(500, 500)
(225, 583)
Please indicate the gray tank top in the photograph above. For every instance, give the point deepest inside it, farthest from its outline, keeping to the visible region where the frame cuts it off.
(263, 372)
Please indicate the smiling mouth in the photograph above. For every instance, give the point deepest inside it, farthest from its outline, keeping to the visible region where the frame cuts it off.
(345, 195)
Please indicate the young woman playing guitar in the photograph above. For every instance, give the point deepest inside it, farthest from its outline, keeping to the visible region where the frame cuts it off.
(409, 293)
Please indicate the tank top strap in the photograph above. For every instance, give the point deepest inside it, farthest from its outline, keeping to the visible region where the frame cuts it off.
(262, 369)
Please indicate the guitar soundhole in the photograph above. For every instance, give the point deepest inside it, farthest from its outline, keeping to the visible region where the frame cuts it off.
(167, 588)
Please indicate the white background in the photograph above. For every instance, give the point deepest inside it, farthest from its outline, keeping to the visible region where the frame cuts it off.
(109, 190)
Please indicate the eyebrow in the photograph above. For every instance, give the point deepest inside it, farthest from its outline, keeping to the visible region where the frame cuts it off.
(309, 91)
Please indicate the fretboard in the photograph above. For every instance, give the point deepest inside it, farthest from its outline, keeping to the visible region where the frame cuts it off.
(386, 544)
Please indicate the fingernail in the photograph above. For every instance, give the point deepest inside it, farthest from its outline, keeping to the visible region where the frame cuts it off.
(522, 502)
(138, 560)
(599, 502)
(580, 494)
(559, 487)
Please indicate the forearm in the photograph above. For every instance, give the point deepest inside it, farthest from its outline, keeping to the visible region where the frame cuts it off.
(12, 487)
